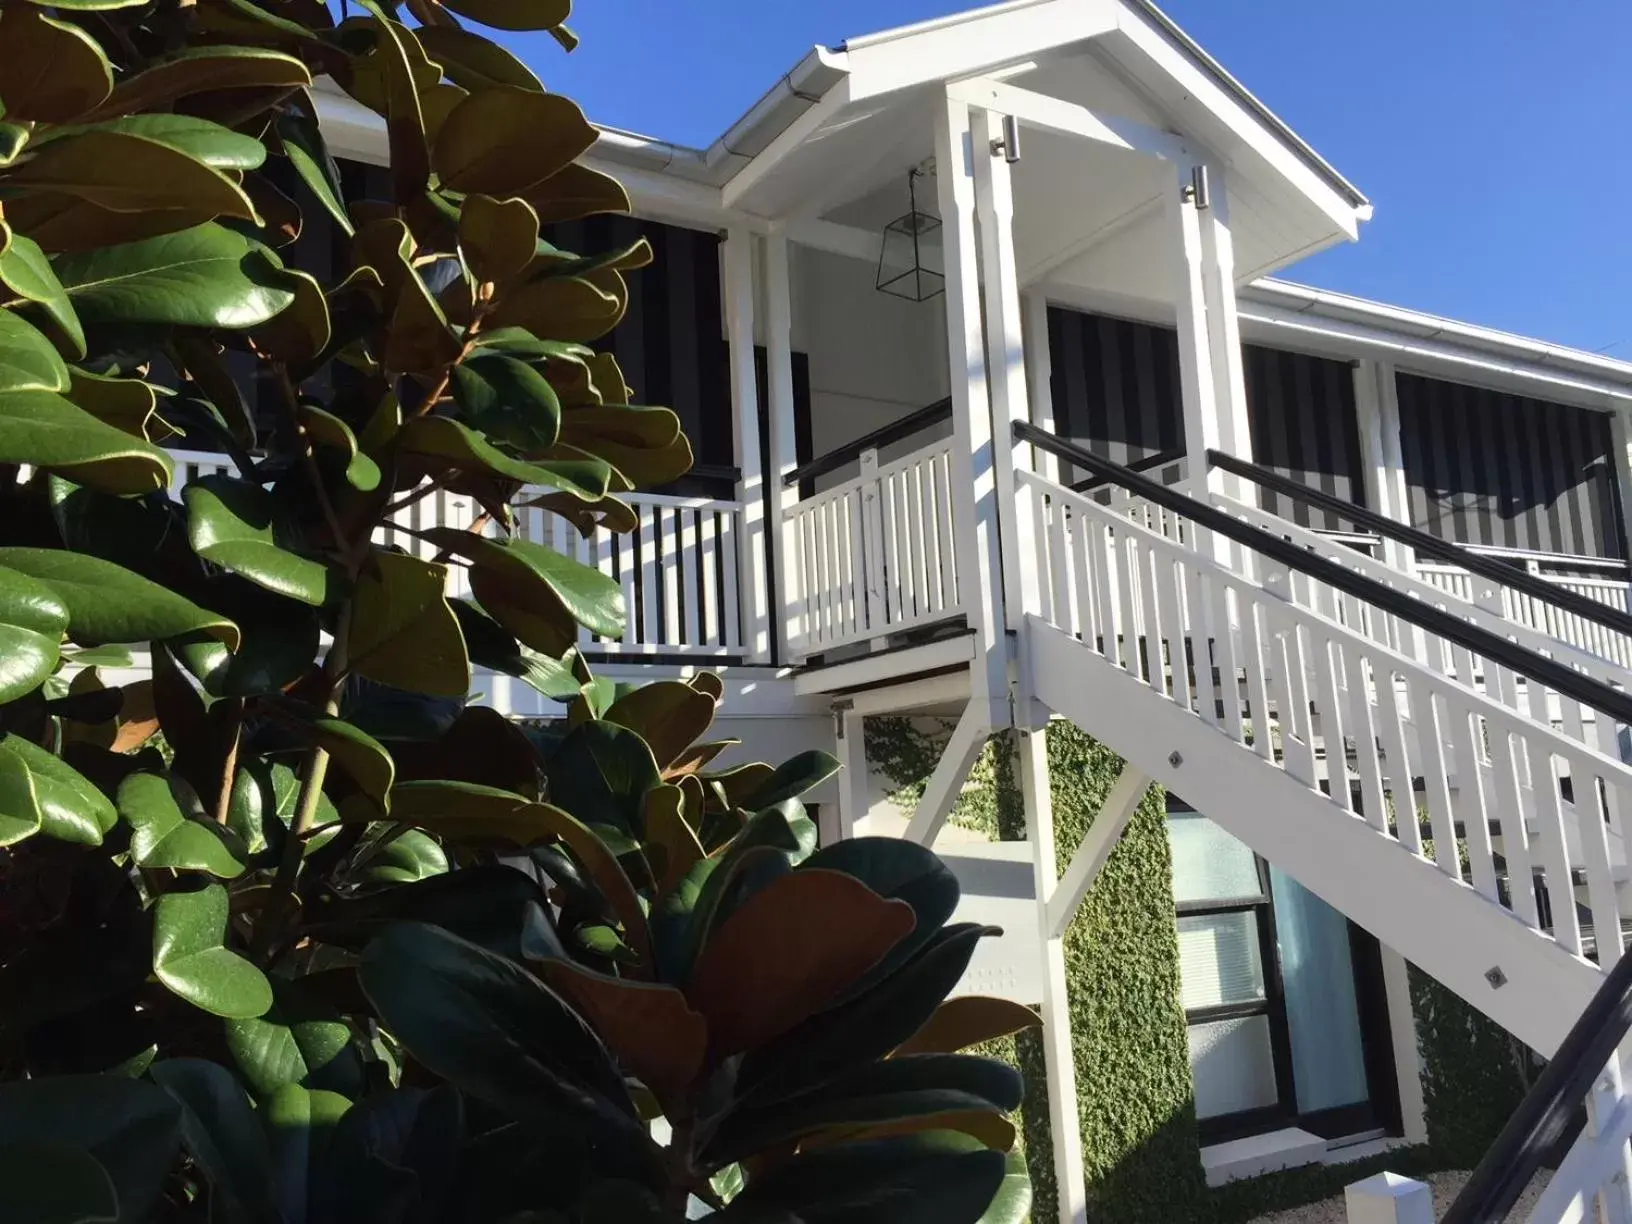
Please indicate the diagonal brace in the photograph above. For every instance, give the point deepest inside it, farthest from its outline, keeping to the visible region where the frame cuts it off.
(945, 784)
(1114, 814)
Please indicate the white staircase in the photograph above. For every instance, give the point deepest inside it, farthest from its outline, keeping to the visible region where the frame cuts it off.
(1283, 694)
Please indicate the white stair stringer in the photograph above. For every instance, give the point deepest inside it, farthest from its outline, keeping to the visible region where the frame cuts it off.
(1445, 926)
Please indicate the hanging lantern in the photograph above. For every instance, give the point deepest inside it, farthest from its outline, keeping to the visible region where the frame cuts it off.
(908, 266)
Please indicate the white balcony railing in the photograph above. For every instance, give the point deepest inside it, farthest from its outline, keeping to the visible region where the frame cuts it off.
(874, 555)
(678, 569)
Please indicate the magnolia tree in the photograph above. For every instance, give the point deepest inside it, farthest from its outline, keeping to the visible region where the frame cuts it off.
(291, 930)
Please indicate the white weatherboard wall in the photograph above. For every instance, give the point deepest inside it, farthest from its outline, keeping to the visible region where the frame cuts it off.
(873, 358)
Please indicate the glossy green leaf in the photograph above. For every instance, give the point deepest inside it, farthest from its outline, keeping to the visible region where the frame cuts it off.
(189, 958)
(300, 1122)
(445, 439)
(933, 1178)
(215, 146)
(51, 71)
(492, 646)
(132, 1128)
(72, 809)
(363, 757)
(794, 777)
(474, 62)
(404, 1143)
(887, 1091)
(33, 619)
(47, 1182)
(466, 811)
(501, 140)
(224, 1137)
(514, 14)
(19, 802)
(125, 173)
(26, 271)
(108, 603)
(207, 276)
(201, 70)
(52, 432)
(1012, 1203)
(330, 431)
(601, 773)
(535, 592)
(162, 835)
(299, 1040)
(303, 145)
(231, 524)
(410, 857)
(508, 401)
(494, 1031)
(28, 362)
(487, 903)
(403, 633)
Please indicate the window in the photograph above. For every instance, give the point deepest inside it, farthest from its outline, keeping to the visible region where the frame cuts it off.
(1282, 996)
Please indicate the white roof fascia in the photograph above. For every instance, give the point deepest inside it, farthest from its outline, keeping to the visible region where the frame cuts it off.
(1338, 321)
(1151, 46)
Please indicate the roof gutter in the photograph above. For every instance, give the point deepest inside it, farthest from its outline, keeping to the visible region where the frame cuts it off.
(1302, 299)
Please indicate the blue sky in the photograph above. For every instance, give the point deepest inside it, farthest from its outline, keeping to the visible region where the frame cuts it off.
(1494, 136)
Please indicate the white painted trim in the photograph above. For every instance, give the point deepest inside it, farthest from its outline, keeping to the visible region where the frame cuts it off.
(784, 449)
(1070, 119)
(1402, 1031)
(1040, 369)
(1103, 834)
(945, 784)
(894, 665)
(974, 487)
(913, 695)
(851, 741)
(737, 285)
(1059, 1059)
(763, 164)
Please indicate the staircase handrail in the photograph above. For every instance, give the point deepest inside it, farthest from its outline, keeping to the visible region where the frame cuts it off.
(1424, 543)
(893, 431)
(1542, 1120)
(1554, 675)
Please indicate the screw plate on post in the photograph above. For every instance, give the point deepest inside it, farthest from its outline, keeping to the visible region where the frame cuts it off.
(1174, 759)
(1495, 977)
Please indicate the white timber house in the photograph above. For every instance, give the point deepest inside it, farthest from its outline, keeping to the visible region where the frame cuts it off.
(1005, 413)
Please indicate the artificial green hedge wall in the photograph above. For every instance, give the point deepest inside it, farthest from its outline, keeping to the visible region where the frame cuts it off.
(1133, 1072)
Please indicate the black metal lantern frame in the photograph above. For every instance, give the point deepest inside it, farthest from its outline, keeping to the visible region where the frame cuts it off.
(908, 266)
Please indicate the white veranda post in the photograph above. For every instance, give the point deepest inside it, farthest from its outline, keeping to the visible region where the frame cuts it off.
(737, 256)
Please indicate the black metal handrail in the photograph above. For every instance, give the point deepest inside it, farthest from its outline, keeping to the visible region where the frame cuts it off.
(1159, 459)
(1430, 545)
(913, 422)
(1554, 675)
(1542, 1120)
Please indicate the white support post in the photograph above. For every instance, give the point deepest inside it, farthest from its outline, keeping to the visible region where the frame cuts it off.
(1040, 372)
(974, 488)
(946, 782)
(753, 589)
(1198, 387)
(783, 430)
(1102, 836)
(1607, 1096)
(1387, 1198)
(1377, 410)
(1620, 424)
(1402, 1028)
(853, 781)
(1223, 320)
(1005, 362)
(1059, 1061)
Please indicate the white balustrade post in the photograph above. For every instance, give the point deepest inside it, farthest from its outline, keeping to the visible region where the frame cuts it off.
(974, 488)
(1615, 1196)
(753, 589)
(872, 548)
(784, 447)
(1387, 1198)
